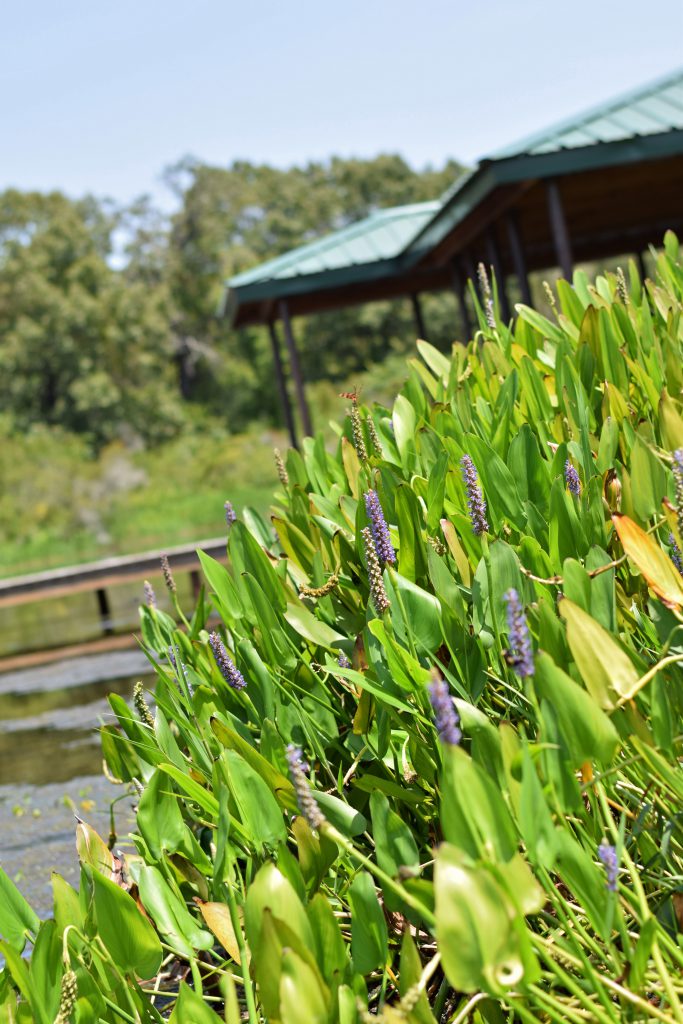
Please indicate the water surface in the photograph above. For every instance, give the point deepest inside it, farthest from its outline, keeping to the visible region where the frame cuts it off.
(51, 765)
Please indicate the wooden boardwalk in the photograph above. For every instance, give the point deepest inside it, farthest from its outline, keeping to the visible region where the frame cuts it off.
(106, 573)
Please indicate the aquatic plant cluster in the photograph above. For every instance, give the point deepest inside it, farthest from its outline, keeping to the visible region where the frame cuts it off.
(418, 759)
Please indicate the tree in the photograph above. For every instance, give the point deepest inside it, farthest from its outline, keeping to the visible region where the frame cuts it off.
(231, 219)
(80, 346)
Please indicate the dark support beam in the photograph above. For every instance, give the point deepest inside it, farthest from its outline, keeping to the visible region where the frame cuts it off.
(493, 255)
(461, 293)
(195, 582)
(558, 225)
(518, 260)
(642, 269)
(296, 370)
(105, 611)
(282, 385)
(419, 319)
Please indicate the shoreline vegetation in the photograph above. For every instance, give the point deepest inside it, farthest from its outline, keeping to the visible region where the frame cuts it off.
(427, 766)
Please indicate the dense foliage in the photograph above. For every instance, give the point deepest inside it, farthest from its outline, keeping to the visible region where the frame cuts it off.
(108, 316)
(468, 622)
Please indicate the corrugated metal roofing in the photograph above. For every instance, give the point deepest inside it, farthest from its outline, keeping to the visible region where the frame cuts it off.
(381, 236)
(646, 123)
(648, 110)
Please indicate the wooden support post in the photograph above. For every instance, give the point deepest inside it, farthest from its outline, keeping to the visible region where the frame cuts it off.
(559, 230)
(461, 293)
(518, 260)
(642, 269)
(282, 385)
(195, 582)
(493, 254)
(296, 370)
(419, 319)
(105, 611)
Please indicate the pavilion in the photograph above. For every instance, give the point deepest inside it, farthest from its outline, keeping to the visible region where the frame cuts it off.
(604, 183)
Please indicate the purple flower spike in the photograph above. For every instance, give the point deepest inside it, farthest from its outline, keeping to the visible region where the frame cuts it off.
(380, 530)
(475, 499)
(571, 479)
(304, 795)
(520, 654)
(675, 554)
(678, 482)
(445, 716)
(607, 855)
(343, 661)
(228, 669)
(150, 596)
(230, 514)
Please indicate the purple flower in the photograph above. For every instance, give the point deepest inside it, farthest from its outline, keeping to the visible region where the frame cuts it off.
(150, 596)
(228, 669)
(304, 795)
(571, 479)
(377, 590)
(230, 514)
(475, 499)
(520, 653)
(675, 554)
(343, 661)
(380, 530)
(607, 855)
(678, 483)
(445, 715)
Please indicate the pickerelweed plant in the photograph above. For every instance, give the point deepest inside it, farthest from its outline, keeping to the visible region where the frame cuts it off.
(450, 787)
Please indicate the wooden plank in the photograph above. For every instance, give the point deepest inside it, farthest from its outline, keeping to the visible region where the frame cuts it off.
(100, 575)
(32, 659)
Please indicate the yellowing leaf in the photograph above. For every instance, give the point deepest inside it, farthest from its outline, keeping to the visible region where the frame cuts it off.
(655, 566)
(217, 917)
(606, 670)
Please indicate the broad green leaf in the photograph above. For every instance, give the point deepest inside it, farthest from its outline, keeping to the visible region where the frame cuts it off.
(369, 941)
(18, 921)
(482, 939)
(607, 671)
(127, 934)
(586, 730)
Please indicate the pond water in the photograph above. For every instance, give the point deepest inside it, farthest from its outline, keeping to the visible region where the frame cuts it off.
(51, 765)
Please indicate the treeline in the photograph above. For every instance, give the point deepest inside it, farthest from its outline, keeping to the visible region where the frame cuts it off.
(108, 325)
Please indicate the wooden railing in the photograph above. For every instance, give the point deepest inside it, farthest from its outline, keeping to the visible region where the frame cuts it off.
(99, 576)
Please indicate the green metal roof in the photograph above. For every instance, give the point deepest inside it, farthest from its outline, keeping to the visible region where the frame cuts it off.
(646, 123)
(377, 238)
(648, 110)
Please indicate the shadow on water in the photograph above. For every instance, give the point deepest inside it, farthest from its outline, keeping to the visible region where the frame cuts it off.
(51, 764)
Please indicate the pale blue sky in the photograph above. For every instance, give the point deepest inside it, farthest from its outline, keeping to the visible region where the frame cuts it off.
(100, 96)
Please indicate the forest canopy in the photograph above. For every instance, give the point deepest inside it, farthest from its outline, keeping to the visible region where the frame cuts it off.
(108, 325)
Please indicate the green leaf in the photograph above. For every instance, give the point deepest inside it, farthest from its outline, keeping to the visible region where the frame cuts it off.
(128, 936)
(259, 810)
(586, 730)
(179, 928)
(395, 845)
(18, 921)
(607, 671)
(415, 613)
(191, 1007)
(369, 941)
(310, 628)
(483, 940)
(302, 995)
